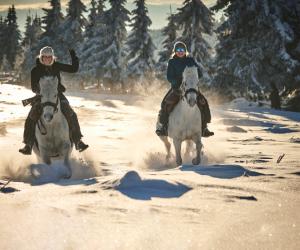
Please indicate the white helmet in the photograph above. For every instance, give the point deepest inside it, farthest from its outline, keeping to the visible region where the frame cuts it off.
(46, 51)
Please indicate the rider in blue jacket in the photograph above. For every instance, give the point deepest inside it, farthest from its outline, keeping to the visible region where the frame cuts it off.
(176, 66)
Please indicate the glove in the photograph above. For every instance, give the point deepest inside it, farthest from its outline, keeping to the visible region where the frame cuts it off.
(61, 88)
(72, 53)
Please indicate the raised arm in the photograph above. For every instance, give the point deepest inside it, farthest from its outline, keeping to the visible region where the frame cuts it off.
(73, 68)
(200, 74)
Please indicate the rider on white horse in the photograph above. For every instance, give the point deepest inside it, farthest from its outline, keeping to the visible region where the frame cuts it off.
(46, 65)
(176, 66)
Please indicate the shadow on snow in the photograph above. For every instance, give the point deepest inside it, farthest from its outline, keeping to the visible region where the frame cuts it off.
(221, 171)
(134, 187)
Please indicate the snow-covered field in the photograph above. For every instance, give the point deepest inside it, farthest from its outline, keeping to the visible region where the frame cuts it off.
(123, 196)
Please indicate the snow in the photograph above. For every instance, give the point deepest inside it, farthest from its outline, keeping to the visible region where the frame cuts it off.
(123, 195)
(295, 140)
(236, 129)
(284, 30)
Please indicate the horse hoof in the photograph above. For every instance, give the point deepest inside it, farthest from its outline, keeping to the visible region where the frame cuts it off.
(48, 162)
(179, 162)
(67, 176)
(196, 161)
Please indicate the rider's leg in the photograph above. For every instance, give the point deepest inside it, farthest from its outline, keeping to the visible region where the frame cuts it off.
(162, 121)
(168, 104)
(205, 115)
(29, 129)
(73, 123)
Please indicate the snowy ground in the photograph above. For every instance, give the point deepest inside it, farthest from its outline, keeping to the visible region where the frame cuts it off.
(123, 196)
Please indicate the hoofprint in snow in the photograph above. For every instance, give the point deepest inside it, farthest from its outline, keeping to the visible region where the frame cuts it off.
(123, 196)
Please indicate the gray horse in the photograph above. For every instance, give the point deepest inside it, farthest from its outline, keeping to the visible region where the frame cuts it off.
(185, 120)
(52, 130)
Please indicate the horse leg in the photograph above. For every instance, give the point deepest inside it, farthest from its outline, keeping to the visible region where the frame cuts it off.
(66, 153)
(188, 149)
(177, 145)
(45, 157)
(67, 164)
(167, 146)
(197, 159)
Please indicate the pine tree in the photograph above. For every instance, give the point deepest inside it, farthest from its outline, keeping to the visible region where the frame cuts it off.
(53, 34)
(170, 32)
(195, 19)
(72, 28)
(37, 30)
(91, 19)
(140, 45)
(91, 49)
(28, 31)
(5, 65)
(13, 37)
(52, 19)
(252, 49)
(2, 39)
(290, 16)
(100, 6)
(113, 66)
(31, 48)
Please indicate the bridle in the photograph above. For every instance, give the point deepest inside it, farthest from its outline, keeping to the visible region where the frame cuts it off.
(185, 91)
(52, 104)
(40, 123)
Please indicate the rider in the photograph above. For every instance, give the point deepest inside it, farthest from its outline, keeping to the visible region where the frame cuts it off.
(176, 66)
(46, 65)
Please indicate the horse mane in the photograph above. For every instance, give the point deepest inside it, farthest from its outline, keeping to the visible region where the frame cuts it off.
(48, 83)
(191, 73)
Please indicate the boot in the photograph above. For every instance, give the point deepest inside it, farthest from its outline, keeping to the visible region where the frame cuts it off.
(81, 146)
(29, 133)
(26, 150)
(161, 129)
(162, 124)
(207, 133)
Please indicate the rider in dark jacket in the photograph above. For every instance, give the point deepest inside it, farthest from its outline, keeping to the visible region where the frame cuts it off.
(175, 70)
(47, 66)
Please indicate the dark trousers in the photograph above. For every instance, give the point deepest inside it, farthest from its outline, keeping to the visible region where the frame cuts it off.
(36, 112)
(172, 98)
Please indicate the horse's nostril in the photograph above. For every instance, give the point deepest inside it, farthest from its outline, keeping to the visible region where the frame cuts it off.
(192, 102)
(48, 117)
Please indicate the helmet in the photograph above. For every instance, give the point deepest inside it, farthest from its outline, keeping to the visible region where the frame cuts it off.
(179, 44)
(46, 51)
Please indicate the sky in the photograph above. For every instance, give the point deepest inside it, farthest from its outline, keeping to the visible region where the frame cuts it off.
(34, 4)
(158, 9)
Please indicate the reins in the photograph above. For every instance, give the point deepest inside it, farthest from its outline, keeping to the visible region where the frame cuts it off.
(54, 105)
(186, 92)
(40, 121)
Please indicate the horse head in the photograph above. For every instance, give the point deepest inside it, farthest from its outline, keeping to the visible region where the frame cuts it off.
(49, 97)
(190, 85)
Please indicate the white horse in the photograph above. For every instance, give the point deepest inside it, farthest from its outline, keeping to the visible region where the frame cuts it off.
(52, 129)
(185, 120)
